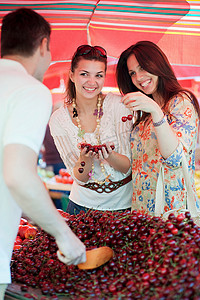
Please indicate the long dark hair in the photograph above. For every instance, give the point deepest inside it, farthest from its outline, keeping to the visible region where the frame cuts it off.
(22, 32)
(93, 54)
(153, 60)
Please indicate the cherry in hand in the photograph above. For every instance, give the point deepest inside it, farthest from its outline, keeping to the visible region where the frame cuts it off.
(129, 117)
(95, 148)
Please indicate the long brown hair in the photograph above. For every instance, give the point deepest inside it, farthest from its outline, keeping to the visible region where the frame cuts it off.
(153, 60)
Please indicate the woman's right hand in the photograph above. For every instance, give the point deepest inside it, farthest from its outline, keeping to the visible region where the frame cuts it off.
(138, 101)
(83, 165)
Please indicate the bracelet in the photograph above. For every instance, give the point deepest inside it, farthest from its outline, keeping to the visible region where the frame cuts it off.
(156, 124)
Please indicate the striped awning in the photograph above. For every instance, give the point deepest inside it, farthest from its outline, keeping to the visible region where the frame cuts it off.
(115, 25)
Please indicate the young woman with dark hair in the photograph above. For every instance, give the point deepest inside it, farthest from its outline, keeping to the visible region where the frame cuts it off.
(102, 178)
(166, 125)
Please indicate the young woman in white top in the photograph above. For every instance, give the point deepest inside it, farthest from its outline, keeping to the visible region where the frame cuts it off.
(102, 179)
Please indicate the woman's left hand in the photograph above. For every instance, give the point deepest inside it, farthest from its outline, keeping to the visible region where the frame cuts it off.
(105, 153)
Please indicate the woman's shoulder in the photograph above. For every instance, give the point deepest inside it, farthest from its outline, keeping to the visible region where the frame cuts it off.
(58, 116)
(115, 107)
(113, 101)
(112, 98)
(58, 113)
(182, 98)
(182, 106)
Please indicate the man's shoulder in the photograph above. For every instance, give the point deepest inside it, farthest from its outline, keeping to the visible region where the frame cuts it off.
(18, 75)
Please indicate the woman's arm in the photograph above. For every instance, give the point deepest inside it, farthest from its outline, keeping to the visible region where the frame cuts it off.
(83, 165)
(167, 138)
(116, 160)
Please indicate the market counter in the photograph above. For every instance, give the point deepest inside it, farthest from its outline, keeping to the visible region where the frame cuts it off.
(14, 292)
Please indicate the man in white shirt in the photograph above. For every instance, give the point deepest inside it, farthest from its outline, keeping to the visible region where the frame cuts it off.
(25, 109)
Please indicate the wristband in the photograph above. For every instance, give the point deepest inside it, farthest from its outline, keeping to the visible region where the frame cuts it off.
(156, 124)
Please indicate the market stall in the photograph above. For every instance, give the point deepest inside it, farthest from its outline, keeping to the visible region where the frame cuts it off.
(153, 259)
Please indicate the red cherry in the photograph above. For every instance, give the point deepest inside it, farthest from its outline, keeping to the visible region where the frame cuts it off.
(124, 119)
(152, 231)
(112, 288)
(174, 231)
(145, 276)
(16, 247)
(99, 147)
(162, 271)
(23, 221)
(80, 170)
(130, 117)
(150, 262)
(170, 225)
(187, 215)
(88, 147)
(83, 145)
(95, 149)
(180, 217)
(171, 216)
(104, 145)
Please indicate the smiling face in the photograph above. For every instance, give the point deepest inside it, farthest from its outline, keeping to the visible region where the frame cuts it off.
(143, 80)
(88, 78)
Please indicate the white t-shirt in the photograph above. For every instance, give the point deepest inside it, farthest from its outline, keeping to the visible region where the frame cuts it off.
(25, 109)
(112, 129)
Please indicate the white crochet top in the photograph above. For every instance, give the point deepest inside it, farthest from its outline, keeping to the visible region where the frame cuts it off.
(112, 129)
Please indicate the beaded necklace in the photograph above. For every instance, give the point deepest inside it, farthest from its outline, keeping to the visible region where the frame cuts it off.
(81, 132)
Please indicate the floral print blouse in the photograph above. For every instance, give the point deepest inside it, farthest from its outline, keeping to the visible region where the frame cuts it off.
(147, 160)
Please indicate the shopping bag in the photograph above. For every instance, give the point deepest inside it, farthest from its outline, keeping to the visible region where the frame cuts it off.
(190, 200)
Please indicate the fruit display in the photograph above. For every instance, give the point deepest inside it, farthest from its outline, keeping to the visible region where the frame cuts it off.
(26, 231)
(63, 177)
(154, 259)
(45, 174)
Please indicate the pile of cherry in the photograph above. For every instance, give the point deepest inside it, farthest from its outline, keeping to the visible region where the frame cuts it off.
(153, 259)
(95, 148)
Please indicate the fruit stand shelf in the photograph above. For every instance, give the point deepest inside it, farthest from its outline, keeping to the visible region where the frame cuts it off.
(51, 184)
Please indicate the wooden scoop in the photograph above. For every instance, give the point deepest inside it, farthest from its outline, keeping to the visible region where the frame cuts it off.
(96, 257)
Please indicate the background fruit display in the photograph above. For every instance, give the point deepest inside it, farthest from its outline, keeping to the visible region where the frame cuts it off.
(45, 173)
(26, 231)
(153, 259)
(64, 177)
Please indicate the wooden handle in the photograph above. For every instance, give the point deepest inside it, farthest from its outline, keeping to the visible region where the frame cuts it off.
(96, 257)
